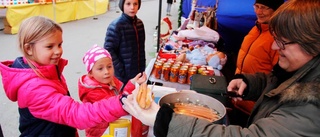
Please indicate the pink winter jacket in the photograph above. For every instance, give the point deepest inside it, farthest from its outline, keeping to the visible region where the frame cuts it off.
(92, 91)
(46, 98)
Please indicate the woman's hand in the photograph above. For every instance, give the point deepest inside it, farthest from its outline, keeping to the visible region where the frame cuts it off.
(146, 116)
(139, 78)
(237, 86)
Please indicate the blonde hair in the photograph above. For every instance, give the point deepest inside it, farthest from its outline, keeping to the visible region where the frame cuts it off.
(299, 22)
(32, 30)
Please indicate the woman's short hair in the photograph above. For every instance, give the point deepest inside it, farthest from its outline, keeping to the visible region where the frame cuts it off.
(298, 21)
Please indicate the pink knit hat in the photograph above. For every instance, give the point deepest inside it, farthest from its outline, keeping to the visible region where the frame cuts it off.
(93, 55)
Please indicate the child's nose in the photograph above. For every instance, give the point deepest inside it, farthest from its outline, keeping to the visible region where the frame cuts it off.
(106, 71)
(58, 51)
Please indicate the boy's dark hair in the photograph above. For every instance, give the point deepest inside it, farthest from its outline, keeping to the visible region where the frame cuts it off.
(121, 3)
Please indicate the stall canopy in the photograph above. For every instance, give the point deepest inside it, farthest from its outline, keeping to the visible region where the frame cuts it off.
(235, 19)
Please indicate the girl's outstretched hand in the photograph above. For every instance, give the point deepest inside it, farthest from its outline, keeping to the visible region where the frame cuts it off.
(146, 116)
(139, 78)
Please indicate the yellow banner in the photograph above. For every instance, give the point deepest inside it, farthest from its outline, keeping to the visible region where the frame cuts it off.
(60, 12)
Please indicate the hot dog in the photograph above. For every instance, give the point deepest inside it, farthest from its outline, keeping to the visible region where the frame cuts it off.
(144, 97)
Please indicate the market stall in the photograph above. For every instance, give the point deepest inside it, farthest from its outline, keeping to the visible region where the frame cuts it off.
(189, 50)
(60, 11)
(234, 18)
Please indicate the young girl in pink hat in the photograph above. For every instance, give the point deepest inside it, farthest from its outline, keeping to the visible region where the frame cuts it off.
(100, 83)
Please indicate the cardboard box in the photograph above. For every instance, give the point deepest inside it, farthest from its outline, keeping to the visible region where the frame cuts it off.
(7, 27)
(7, 30)
(5, 22)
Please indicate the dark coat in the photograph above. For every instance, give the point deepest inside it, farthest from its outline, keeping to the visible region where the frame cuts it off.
(125, 40)
(1, 134)
(284, 109)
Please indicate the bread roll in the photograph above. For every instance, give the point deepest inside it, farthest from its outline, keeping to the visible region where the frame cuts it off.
(144, 97)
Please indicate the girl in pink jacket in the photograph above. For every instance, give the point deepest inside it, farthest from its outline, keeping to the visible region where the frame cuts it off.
(100, 83)
(35, 81)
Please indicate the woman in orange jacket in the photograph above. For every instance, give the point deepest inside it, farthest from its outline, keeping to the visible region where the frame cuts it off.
(255, 54)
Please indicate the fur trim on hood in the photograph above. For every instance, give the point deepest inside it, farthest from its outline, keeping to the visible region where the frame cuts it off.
(302, 92)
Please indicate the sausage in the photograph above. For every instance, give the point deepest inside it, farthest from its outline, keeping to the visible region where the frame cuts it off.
(144, 97)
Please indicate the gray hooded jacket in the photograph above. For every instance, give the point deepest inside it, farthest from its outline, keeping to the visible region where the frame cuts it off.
(288, 109)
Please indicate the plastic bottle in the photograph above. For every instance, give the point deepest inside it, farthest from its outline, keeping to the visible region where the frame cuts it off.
(201, 22)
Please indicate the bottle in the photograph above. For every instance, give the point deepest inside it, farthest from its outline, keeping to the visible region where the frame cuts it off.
(138, 129)
(201, 22)
(154, 42)
(155, 37)
(120, 128)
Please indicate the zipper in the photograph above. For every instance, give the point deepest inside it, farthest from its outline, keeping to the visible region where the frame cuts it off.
(138, 43)
(260, 31)
(59, 74)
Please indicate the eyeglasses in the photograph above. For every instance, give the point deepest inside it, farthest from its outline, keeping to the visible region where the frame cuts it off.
(281, 43)
(262, 8)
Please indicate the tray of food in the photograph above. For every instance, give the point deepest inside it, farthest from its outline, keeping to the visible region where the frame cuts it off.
(196, 105)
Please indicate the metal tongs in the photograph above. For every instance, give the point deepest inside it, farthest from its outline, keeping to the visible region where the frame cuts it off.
(152, 86)
(231, 94)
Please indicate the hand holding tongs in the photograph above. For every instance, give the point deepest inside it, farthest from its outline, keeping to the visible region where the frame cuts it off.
(231, 94)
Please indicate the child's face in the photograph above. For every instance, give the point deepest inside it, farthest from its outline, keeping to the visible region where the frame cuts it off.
(103, 71)
(130, 7)
(48, 50)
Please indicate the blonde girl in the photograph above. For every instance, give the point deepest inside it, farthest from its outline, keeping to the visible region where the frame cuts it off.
(35, 81)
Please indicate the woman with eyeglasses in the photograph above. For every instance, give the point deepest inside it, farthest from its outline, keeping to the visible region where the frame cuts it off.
(288, 102)
(255, 54)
